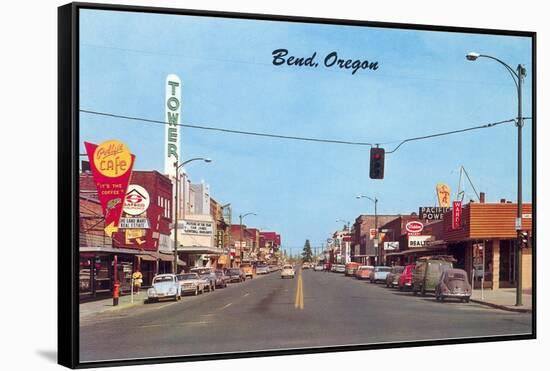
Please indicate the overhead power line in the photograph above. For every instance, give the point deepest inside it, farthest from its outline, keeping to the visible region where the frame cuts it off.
(202, 127)
(307, 139)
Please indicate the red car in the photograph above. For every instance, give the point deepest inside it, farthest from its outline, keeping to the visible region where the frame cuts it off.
(405, 281)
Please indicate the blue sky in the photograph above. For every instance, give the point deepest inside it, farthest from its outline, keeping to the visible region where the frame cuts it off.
(424, 85)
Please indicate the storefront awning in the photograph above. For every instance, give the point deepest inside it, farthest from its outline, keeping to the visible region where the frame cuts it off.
(200, 250)
(110, 250)
(147, 257)
(414, 251)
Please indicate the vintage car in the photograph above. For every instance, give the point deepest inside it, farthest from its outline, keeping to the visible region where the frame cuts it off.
(379, 273)
(351, 268)
(235, 275)
(222, 279)
(340, 268)
(262, 269)
(288, 271)
(164, 286)
(248, 270)
(428, 271)
(453, 283)
(363, 272)
(392, 279)
(191, 283)
(405, 279)
(210, 280)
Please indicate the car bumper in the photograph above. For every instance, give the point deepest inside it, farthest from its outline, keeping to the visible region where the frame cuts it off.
(188, 289)
(456, 295)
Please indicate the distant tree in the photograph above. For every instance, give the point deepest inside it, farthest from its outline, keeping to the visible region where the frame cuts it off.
(306, 253)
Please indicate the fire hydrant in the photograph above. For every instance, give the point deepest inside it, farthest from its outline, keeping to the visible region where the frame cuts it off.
(116, 293)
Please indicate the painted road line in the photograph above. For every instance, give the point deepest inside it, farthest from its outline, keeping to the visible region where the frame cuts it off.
(225, 306)
(299, 300)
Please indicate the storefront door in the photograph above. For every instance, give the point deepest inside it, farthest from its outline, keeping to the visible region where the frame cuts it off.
(507, 275)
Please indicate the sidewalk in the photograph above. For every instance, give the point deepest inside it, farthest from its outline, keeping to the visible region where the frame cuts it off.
(106, 305)
(504, 299)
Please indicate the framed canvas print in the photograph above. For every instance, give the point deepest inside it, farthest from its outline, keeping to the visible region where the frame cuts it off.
(240, 185)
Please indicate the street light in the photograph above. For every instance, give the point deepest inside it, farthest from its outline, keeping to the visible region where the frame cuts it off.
(241, 217)
(375, 200)
(517, 76)
(177, 167)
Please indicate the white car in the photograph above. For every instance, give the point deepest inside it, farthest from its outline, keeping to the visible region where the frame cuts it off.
(191, 283)
(287, 271)
(319, 268)
(164, 286)
(340, 268)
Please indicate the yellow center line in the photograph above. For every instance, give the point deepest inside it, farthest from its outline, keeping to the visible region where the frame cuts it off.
(299, 301)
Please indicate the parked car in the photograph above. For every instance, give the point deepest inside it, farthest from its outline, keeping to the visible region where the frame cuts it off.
(392, 279)
(340, 268)
(305, 265)
(351, 268)
(288, 271)
(379, 273)
(363, 272)
(318, 268)
(405, 279)
(210, 279)
(427, 272)
(221, 279)
(262, 269)
(190, 283)
(453, 283)
(236, 275)
(248, 269)
(164, 286)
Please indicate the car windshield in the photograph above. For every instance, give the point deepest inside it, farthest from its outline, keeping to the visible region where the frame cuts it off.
(234, 271)
(163, 279)
(456, 276)
(187, 276)
(287, 267)
(383, 269)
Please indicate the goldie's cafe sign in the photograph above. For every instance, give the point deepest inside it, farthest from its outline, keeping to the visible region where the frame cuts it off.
(111, 163)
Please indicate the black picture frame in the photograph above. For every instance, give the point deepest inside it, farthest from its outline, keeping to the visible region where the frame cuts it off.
(68, 182)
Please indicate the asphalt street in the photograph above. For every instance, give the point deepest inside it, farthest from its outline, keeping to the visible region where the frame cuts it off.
(267, 312)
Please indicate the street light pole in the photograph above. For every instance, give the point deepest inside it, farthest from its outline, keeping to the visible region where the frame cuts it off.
(241, 217)
(517, 76)
(176, 207)
(376, 251)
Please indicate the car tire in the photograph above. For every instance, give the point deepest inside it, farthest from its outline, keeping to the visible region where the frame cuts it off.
(423, 291)
(467, 300)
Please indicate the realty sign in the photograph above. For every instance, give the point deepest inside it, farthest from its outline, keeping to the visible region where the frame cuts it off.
(419, 241)
(131, 223)
(136, 201)
(111, 163)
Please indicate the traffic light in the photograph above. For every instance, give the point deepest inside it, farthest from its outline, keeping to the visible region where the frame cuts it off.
(523, 237)
(377, 163)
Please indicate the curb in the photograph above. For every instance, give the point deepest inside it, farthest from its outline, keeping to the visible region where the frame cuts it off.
(502, 307)
(122, 306)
